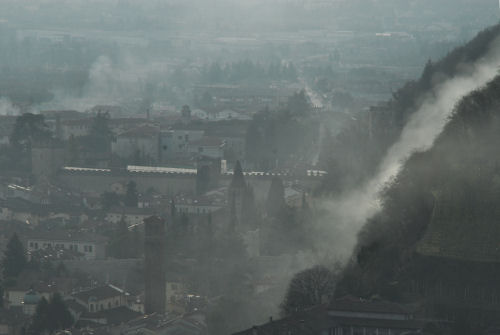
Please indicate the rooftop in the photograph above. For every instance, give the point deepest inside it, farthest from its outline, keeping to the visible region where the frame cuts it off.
(144, 130)
(114, 316)
(207, 141)
(65, 236)
(160, 169)
(99, 293)
(352, 304)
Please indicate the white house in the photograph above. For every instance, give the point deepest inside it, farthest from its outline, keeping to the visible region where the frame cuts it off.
(130, 215)
(101, 298)
(89, 245)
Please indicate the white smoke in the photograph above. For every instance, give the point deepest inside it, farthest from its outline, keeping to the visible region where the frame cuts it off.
(348, 214)
(7, 108)
(111, 82)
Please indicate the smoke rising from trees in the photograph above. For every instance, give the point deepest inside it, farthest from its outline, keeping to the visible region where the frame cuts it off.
(347, 214)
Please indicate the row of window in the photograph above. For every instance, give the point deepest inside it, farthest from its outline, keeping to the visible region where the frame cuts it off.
(100, 307)
(366, 331)
(73, 247)
(198, 210)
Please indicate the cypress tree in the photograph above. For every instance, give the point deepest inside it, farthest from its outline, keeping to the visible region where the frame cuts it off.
(14, 259)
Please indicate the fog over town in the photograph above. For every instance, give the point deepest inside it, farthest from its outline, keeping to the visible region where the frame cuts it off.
(250, 167)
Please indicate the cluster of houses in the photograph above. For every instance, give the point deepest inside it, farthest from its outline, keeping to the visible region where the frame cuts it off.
(61, 215)
(108, 307)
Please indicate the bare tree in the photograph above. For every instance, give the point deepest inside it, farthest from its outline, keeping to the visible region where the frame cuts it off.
(309, 288)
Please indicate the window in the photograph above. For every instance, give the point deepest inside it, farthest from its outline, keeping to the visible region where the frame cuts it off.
(109, 305)
(90, 248)
(31, 244)
(165, 147)
(91, 307)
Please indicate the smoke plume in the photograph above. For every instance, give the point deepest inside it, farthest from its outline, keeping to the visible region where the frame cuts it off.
(7, 108)
(348, 213)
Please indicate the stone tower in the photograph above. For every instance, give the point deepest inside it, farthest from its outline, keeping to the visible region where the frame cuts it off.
(236, 192)
(154, 269)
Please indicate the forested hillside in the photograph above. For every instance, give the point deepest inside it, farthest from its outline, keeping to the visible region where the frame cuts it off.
(352, 156)
(436, 239)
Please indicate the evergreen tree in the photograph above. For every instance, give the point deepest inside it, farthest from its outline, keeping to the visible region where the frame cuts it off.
(184, 225)
(131, 197)
(14, 260)
(59, 316)
(173, 211)
(203, 180)
(1, 294)
(51, 316)
(109, 199)
(298, 104)
(238, 180)
(100, 135)
(305, 204)
(40, 321)
(73, 151)
(249, 213)
(275, 204)
(29, 128)
(233, 218)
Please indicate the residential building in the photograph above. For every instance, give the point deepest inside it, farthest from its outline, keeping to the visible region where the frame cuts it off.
(101, 298)
(212, 147)
(46, 159)
(346, 316)
(141, 142)
(102, 306)
(201, 206)
(174, 144)
(90, 246)
(132, 216)
(75, 128)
